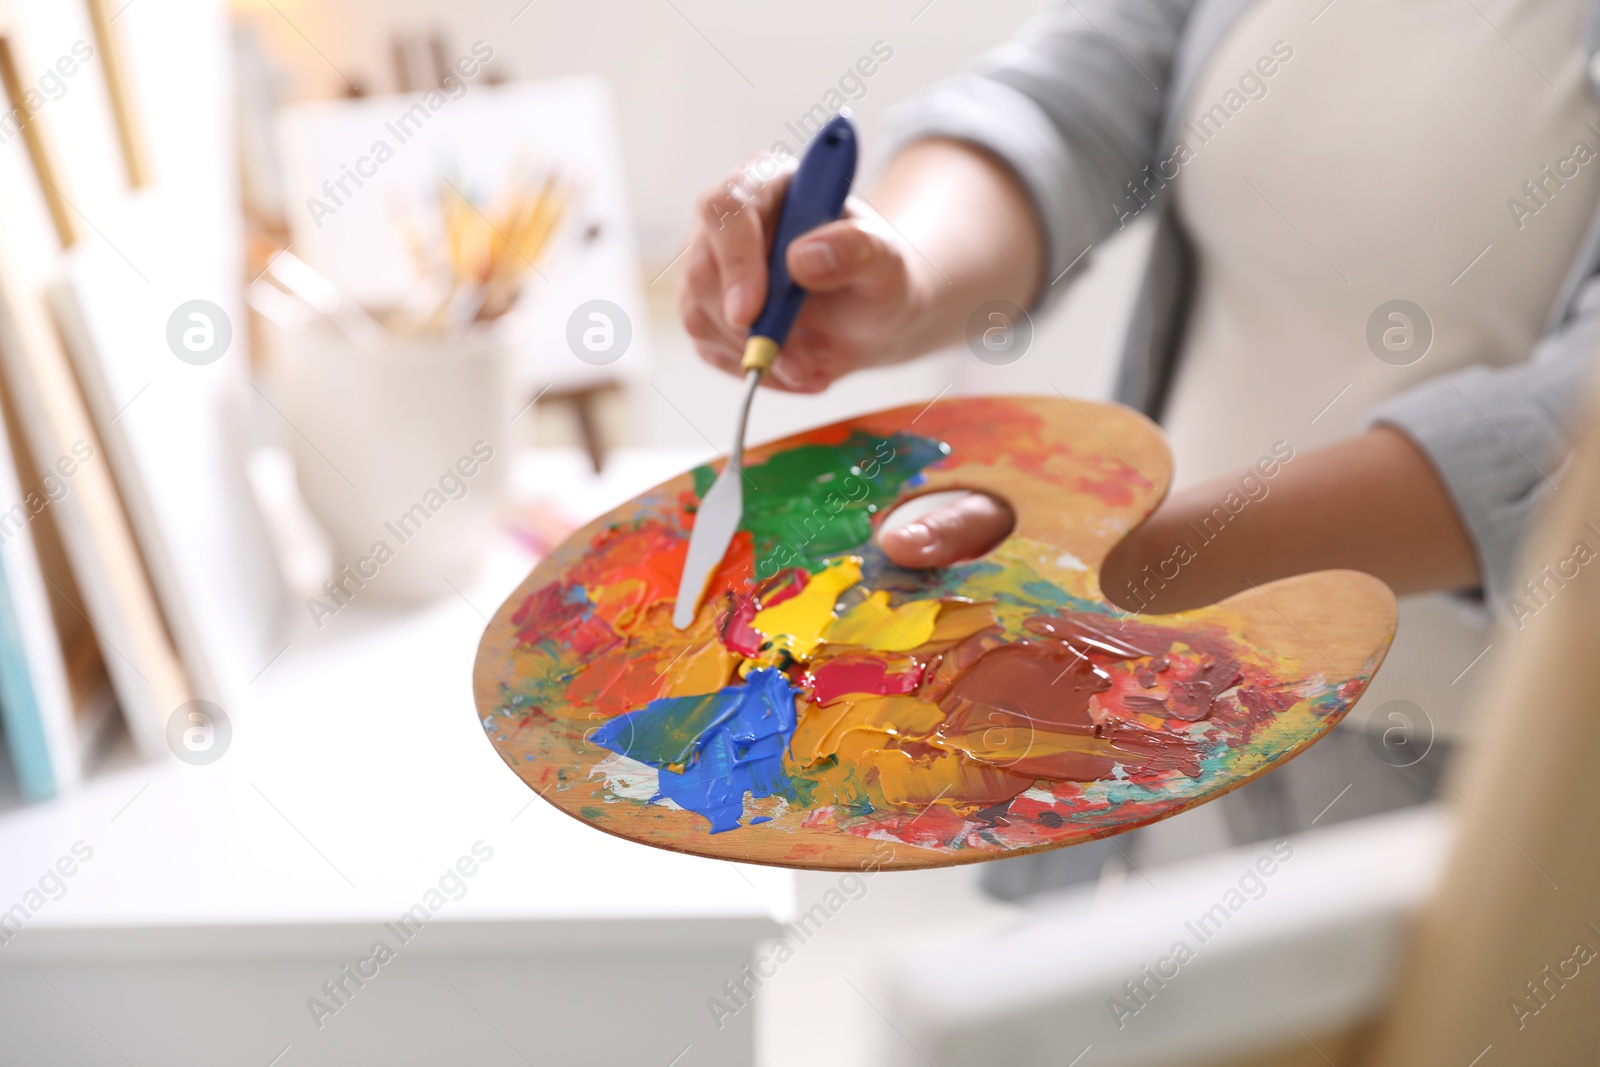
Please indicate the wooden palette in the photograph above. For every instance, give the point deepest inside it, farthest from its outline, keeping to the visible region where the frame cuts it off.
(581, 679)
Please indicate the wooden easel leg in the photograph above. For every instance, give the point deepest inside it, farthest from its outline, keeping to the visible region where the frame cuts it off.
(1505, 964)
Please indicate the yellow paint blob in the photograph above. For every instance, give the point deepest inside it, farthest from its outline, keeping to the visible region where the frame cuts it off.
(797, 624)
(874, 624)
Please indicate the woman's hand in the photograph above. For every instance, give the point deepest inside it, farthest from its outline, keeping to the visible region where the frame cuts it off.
(956, 230)
(865, 293)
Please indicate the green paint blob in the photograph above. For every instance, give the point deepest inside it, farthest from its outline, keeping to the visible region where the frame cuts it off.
(807, 504)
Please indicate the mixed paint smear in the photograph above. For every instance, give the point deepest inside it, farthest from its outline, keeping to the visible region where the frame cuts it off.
(995, 704)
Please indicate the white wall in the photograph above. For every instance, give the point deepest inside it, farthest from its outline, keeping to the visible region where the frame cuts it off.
(687, 112)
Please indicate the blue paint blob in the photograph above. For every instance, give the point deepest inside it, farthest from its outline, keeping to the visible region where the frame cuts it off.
(711, 750)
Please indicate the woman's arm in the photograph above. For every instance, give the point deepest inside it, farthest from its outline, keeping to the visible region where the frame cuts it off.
(971, 230)
(1372, 503)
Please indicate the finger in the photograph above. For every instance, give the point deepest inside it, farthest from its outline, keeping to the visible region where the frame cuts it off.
(963, 529)
(711, 345)
(737, 218)
(810, 361)
(706, 331)
(699, 300)
(793, 376)
(838, 254)
(699, 282)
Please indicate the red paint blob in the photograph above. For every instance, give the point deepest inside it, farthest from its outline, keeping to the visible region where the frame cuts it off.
(859, 674)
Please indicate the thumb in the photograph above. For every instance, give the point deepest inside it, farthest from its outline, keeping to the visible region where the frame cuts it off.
(944, 528)
(838, 254)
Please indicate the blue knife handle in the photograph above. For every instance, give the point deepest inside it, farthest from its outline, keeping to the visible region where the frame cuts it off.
(815, 196)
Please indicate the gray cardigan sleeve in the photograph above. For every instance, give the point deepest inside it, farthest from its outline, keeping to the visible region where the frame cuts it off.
(1498, 437)
(1073, 105)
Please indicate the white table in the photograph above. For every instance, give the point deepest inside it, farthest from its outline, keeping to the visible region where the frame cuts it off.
(220, 898)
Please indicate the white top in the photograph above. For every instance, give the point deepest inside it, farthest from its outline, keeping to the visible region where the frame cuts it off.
(1384, 158)
(1340, 158)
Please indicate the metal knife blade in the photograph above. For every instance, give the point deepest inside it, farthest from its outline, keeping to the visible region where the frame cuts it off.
(815, 196)
(716, 520)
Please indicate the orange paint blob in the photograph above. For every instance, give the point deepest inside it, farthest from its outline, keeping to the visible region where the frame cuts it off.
(960, 619)
(700, 670)
(619, 682)
(822, 729)
(946, 778)
(642, 566)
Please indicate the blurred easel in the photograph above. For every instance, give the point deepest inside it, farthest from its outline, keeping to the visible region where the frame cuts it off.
(424, 63)
(1503, 967)
(1493, 975)
(35, 139)
(130, 133)
(584, 401)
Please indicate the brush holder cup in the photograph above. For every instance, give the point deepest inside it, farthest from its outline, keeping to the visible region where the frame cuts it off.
(402, 453)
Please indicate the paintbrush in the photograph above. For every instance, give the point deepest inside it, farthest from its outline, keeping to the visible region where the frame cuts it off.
(299, 280)
(815, 196)
(479, 267)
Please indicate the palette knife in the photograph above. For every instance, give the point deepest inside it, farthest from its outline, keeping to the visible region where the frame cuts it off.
(815, 196)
